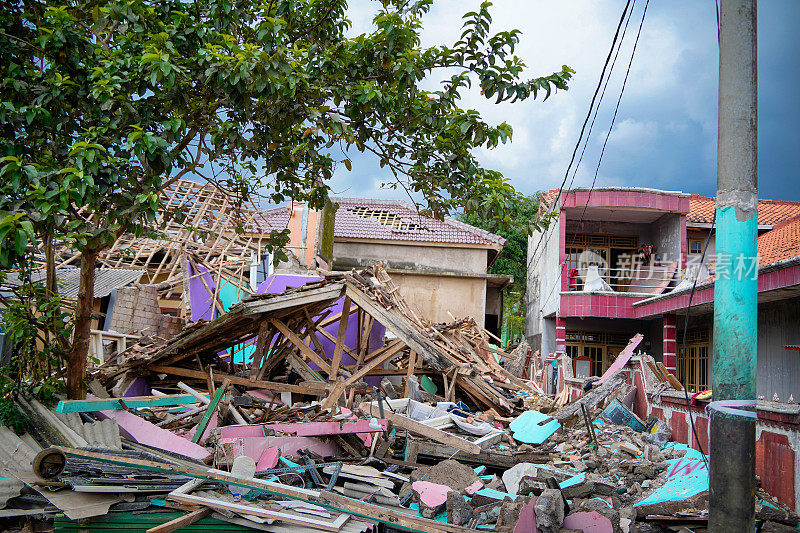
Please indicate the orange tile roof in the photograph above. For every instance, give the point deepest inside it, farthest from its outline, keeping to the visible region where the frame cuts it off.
(770, 212)
(780, 243)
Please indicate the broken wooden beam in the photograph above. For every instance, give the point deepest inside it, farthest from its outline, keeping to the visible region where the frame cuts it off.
(132, 402)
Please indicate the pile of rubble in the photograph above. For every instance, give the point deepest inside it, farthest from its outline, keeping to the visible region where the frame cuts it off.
(272, 418)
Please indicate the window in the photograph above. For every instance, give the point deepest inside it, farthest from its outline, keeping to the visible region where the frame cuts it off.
(610, 250)
(593, 352)
(695, 246)
(387, 218)
(694, 363)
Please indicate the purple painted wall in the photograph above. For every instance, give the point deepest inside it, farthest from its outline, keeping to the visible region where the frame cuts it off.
(276, 284)
(200, 301)
(203, 308)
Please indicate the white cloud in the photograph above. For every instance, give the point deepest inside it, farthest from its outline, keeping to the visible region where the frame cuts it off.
(668, 112)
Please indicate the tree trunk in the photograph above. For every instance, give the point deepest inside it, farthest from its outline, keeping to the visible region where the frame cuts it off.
(81, 336)
(50, 264)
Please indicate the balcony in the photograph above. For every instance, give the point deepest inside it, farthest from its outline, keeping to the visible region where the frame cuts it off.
(598, 291)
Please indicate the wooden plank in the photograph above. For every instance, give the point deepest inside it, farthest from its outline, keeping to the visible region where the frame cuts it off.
(336, 525)
(261, 347)
(412, 361)
(298, 342)
(337, 351)
(396, 519)
(332, 501)
(182, 521)
(677, 385)
(132, 402)
(421, 429)
(401, 328)
(346, 349)
(201, 427)
(313, 388)
(302, 368)
(389, 352)
(331, 292)
(196, 472)
(591, 398)
(333, 397)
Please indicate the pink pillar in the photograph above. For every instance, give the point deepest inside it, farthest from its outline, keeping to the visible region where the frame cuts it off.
(562, 238)
(684, 244)
(669, 337)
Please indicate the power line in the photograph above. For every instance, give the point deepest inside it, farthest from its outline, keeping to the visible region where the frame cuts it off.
(599, 103)
(588, 114)
(616, 110)
(608, 133)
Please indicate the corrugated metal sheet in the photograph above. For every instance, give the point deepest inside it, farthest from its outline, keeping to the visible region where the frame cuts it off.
(102, 434)
(10, 487)
(15, 455)
(105, 280)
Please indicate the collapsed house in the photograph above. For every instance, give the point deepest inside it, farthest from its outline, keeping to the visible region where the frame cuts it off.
(621, 261)
(333, 406)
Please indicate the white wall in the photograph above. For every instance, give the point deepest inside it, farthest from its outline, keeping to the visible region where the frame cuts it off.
(544, 278)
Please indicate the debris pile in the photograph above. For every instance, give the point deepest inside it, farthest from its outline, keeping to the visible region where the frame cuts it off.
(334, 407)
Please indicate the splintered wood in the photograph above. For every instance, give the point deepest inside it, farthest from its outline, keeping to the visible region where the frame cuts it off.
(297, 332)
(199, 229)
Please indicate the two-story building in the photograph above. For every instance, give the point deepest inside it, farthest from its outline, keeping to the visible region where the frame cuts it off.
(620, 261)
(441, 266)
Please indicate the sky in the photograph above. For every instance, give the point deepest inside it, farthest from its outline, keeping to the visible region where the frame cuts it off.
(665, 132)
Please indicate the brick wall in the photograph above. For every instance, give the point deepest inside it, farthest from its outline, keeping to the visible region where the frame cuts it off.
(136, 310)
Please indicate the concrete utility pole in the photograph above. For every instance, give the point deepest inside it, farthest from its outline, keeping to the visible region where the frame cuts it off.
(731, 502)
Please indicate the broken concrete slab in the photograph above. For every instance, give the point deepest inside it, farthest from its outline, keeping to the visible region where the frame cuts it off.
(685, 486)
(431, 497)
(549, 511)
(513, 475)
(459, 511)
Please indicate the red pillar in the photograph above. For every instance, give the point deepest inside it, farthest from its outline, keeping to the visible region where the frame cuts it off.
(669, 337)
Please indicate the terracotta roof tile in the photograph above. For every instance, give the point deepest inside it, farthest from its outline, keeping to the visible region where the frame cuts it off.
(780, 243)
(770, 212)
(367, 218)
(276, 218)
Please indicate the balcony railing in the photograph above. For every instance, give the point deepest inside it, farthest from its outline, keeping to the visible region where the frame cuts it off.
(645, 279)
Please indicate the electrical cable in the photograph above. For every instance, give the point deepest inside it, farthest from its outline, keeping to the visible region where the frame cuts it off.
(594, 118)
(689, 306)
(616, 109)
(591, 107)
(683, 343)
(599, 103)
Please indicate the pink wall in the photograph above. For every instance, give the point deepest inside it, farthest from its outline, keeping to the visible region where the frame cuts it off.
(618, 198)
(767, 281)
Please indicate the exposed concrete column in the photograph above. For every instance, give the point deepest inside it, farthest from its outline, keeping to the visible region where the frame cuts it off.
(669, 336)
(731, 502)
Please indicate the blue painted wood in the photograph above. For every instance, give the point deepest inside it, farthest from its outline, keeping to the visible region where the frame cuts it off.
(133, 402)
(526, 427)
(616, 413)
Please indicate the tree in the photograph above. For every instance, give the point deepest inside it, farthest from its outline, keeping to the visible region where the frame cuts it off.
(517, 217)
(106, 102)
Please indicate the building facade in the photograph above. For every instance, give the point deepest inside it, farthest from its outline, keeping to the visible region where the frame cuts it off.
(621, 261)
(441, 266)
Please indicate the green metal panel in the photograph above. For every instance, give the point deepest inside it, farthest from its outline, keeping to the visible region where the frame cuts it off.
(137, 523)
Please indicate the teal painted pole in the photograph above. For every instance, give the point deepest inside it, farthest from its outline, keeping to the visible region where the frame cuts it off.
(732, 442)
